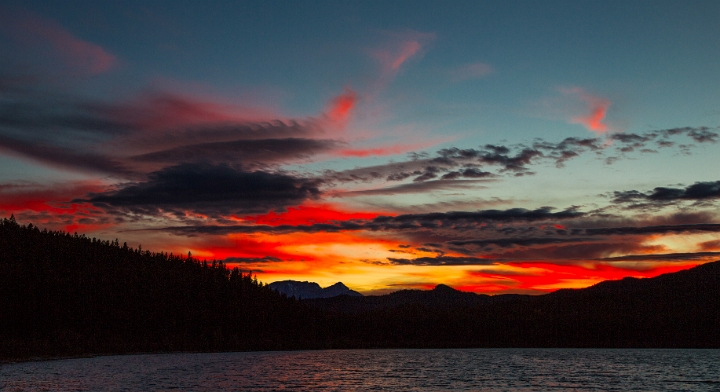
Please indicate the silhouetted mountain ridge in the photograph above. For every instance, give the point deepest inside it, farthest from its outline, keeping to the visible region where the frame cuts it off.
(311, 290)
(66, 295)
(440, 296)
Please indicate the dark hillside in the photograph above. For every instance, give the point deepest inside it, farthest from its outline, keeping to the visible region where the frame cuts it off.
(71, 295)
(673, 310)
(63, 295)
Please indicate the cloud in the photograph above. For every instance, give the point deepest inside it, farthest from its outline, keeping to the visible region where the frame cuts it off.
(467, 173)
(383, 150)
(703, 135)
(401, 47)
(509, 215)
(597, 108)
(51, 205)
(710, 245)
(423, 168)
(454, 163)
(662, 196)
(340, 108)
(645, 230)
(156, 130)
(243, 151)
(67, 158)
(19, 196)
(580, 251)
(80, 55)
(509, 242)
(664, 257)
(471, 71)
(208, 189)
(454, 220)
(415, 187)
(442, 260)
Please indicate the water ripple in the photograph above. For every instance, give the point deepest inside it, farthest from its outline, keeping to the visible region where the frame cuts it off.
(378, 370)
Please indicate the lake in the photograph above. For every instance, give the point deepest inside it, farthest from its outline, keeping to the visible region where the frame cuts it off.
(426, 369)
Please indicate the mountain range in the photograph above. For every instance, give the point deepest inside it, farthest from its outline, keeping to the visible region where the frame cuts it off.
(311, 290)
(67, 295)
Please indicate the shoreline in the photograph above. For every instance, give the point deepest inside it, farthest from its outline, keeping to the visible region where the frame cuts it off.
(84, 356)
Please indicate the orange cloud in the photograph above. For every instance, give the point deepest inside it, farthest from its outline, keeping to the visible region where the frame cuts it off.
(597, 107)
(710, 245)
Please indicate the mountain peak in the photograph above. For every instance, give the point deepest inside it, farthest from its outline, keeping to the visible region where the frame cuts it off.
(443, 288)
(309, 290)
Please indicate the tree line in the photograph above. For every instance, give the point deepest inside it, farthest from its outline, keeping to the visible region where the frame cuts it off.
(67, 295)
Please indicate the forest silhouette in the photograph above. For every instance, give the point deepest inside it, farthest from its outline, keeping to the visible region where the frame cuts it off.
(70, 295)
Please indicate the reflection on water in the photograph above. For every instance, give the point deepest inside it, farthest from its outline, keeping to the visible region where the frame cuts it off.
(457, 369)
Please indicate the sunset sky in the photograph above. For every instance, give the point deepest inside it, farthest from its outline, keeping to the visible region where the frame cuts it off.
(494, 146)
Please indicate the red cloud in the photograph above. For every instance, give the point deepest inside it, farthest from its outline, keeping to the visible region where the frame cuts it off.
(25, 196)
(52, 207)
(408, 50)
(340, 108)
(597, 106)
(380, 151)
(310, 214)
(166, 110)
(76, 53)
(557, 274)
(403, 47)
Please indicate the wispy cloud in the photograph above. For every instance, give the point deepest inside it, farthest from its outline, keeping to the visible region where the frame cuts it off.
(698, 192)
(401, 47)
(597, 108)
(78, 54)
(340, 107)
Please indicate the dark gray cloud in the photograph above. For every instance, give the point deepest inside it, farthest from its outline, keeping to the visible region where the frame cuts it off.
(456, 220)
(661, 196)
(645, 230)
(249, 229)
(417, 187)
(128, 139)
(442, 260)
(63, 157)
(243, 151)
(664, 257)
(467, 173)
(520, 241)
(456, 163)
(483, 216)
(578, 251)
(209, 189)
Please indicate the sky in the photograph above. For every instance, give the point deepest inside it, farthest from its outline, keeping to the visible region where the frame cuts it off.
(496, 147)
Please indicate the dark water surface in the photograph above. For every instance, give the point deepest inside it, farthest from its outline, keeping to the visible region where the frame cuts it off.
(457, 369)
